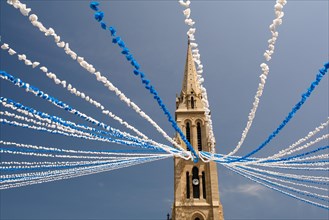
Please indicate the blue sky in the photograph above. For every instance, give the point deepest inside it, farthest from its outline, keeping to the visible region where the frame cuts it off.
(232, 36)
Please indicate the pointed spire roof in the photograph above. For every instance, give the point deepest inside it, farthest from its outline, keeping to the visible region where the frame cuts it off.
(190, 81)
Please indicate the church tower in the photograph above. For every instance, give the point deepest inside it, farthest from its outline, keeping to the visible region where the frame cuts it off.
(196, 195)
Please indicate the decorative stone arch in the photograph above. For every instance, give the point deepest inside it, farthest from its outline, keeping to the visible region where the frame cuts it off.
(197, 215)
(200, 121)
(187, 127)
(187, 120)
(200, 131)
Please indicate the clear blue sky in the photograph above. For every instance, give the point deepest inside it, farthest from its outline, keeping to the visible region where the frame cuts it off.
(232, 37)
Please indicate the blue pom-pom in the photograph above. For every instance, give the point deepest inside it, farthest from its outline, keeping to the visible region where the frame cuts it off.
(125, 51)
(147, 87)
(116, 40)
(103, 25)
(326, 65)
(142, 74)
(93, 5)
(129, 57)
(135, 64)
(113, 31)
(136, 72)
(99, 16)
(145, 81)
(121, 43)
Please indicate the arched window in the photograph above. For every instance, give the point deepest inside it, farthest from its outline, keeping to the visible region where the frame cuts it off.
(196, 183)
(187, 185)
(188, 133)
(204, 185)
(198, 128)
(197, 218)
(192, 102)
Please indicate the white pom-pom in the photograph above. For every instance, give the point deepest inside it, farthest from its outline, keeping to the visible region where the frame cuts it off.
(33, 17)
(278, 7)
(35, 23)
(263, 65)
(103, 79)
(25, 11)
(57, 81)
(57, 38)
(267, 56)
(191, 31)
(185, 4)
(5, 46)
(61, 44)
(98, 74)
(28, 62)
(80, 59)
(187, 12)
(35, 64)
(11, 51)
(195, 45)
(189, 22)
(21, 56)
(44, 69)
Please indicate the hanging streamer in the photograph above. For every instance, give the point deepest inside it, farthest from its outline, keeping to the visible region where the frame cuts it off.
(74, 91)
(303, 178)
(24, 176)
(90, 68)
(146, 82)
(48, 118)
(29, 88)
(288, 150)
(292, 189)
(196, 57)
(268, 53)
(294, 110)
(99, 152)
(54, 131)
(276, 189)
(87, 171)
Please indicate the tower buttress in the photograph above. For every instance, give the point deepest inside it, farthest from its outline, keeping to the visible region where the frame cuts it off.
(196, 195)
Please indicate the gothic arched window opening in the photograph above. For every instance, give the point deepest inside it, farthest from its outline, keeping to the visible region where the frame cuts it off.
(196, 183)
(192, 102)
(188, 133)
(204, 185)
(187, 185)
(199, 136)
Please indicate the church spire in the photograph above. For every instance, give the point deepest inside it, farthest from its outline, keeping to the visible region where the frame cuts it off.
(190, 96)
(190, 81)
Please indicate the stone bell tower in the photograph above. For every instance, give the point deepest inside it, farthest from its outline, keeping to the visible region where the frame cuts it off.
(196, 195)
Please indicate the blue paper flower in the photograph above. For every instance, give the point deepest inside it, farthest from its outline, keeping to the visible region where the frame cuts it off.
(113, 31)
(116, 40)
(103, 25)
(125, 51)
(129, 57)
(93, 5)
(121, 44)
(99, 16)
